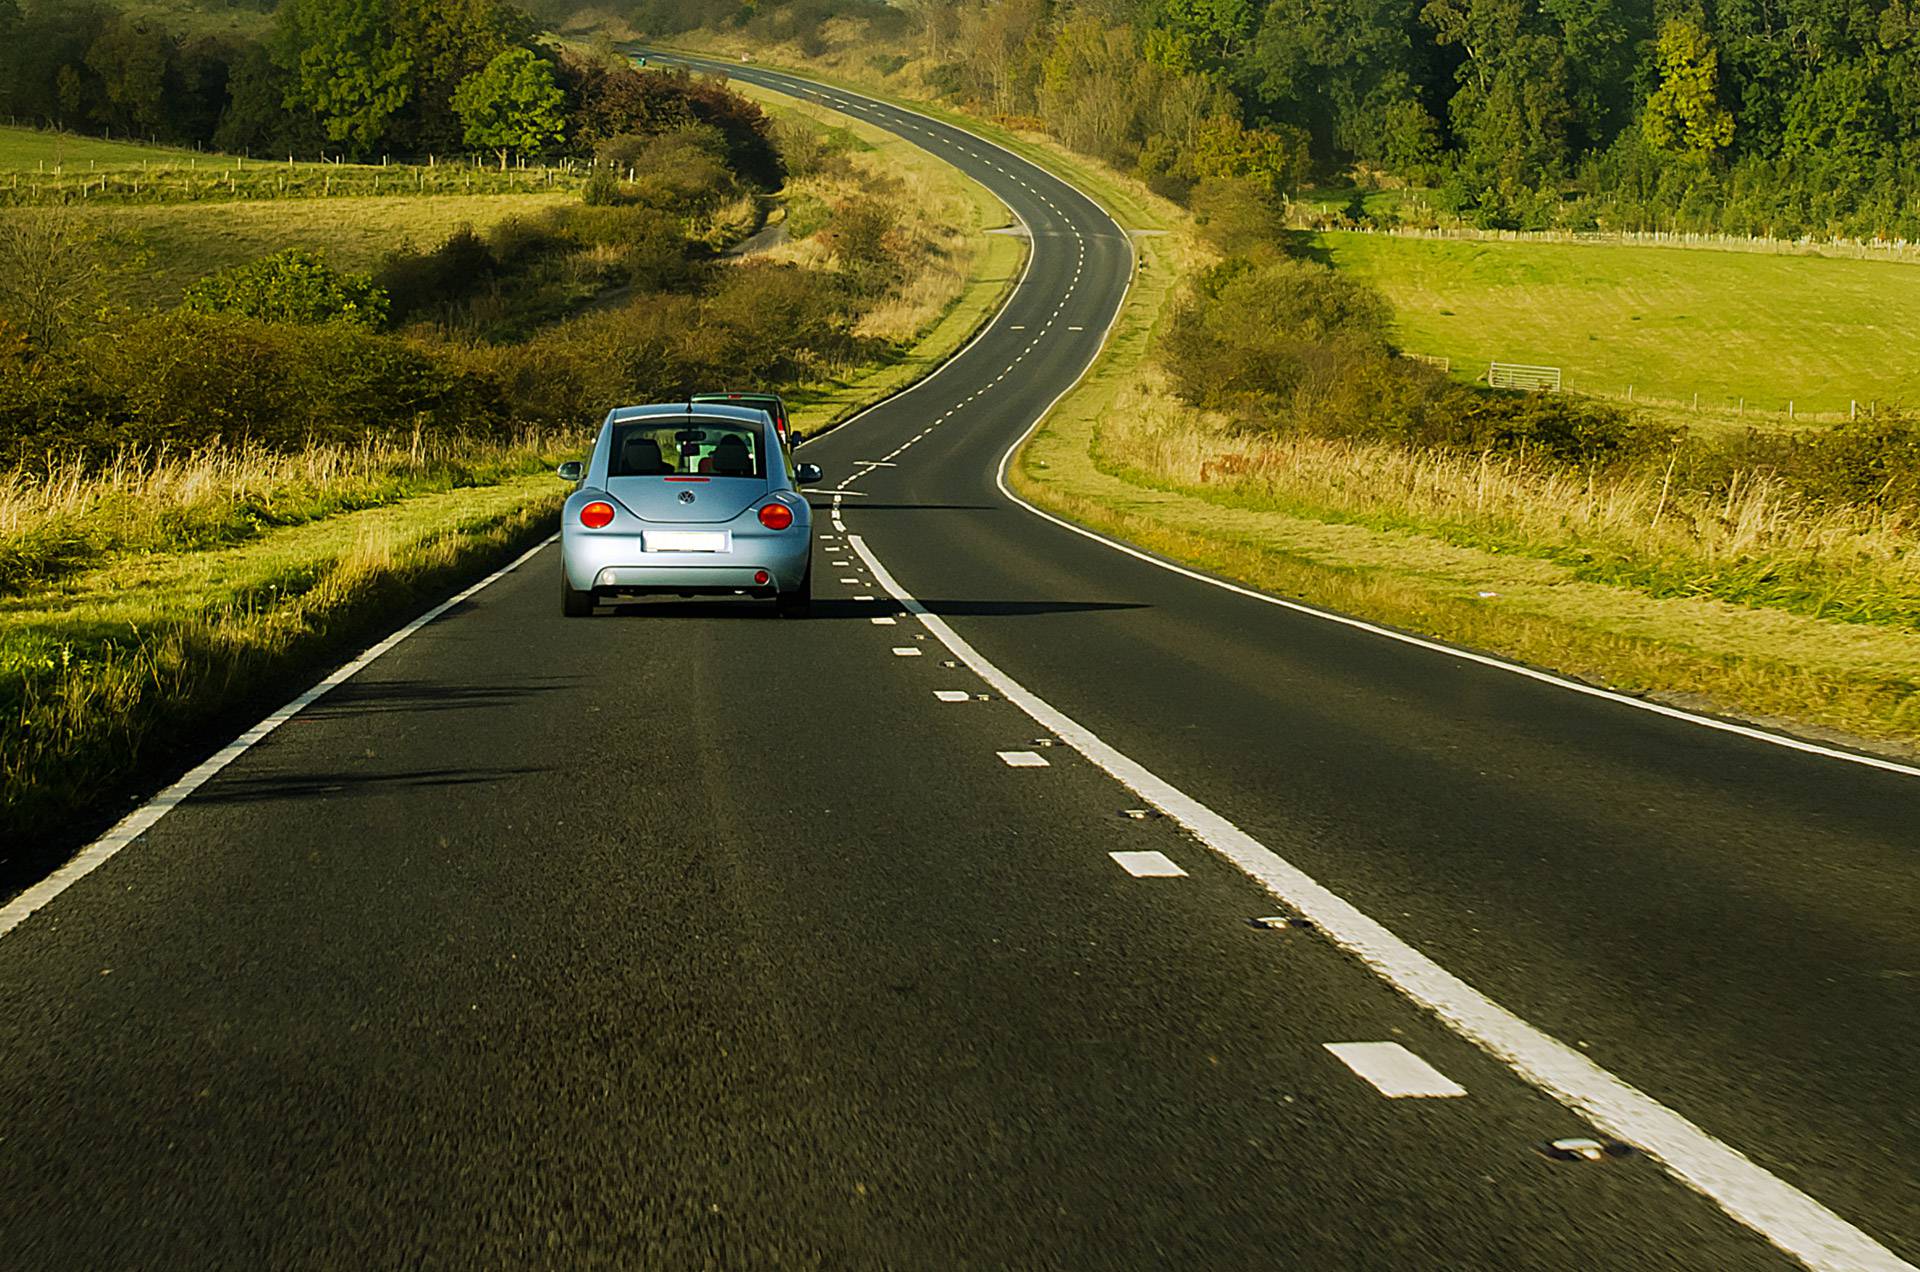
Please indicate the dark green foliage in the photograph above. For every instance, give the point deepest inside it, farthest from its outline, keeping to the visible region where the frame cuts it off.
(1240, 217)
(605, 103)
(1286, 345)
(1787, 119)
(294, 286)
(417, 281)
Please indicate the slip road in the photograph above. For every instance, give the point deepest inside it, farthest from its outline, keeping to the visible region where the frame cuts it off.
(685, 936)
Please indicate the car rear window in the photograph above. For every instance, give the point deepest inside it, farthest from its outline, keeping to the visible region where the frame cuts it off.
(686, 447)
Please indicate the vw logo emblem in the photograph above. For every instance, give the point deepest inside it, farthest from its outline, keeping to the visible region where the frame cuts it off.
(686, 496)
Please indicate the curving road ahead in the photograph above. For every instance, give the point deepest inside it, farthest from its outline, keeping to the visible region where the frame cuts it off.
(686, 937)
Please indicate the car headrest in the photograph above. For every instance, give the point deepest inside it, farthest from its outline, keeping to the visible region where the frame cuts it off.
(641, 455)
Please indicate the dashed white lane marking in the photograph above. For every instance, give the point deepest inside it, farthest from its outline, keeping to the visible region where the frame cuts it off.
(849, 580)
(1148, 865)
(863, 598)
(906, 651)
(1076, 328)
(1023, 759)
(952, 695)
(139, 821)
(1396, 1072)
(1781, 1213)
(882, 621)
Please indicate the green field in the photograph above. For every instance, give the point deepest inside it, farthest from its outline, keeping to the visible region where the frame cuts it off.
(1670, 322)
(161, 249)
(31, 149)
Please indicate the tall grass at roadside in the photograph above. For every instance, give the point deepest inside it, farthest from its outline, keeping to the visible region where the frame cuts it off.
(75, 515)
(105, 677)
(1758, 543)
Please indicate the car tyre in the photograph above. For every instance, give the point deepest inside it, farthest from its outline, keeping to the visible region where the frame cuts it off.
(574, 603)
(799, 602)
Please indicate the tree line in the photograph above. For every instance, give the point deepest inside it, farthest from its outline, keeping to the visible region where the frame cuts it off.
(357, 78)
(1772, 117)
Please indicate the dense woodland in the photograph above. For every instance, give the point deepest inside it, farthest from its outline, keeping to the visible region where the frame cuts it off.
(1771, 117)
(352, 78)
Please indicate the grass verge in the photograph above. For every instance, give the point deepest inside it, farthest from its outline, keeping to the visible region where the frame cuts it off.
(108, 681)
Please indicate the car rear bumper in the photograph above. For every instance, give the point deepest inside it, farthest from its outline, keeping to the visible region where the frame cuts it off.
(620, 563)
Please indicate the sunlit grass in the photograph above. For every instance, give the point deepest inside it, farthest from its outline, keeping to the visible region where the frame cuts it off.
(1728, 326)
(103, 671)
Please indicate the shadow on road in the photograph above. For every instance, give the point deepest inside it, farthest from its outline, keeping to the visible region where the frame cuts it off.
(656, 608)
(357, 697)
(270, 786)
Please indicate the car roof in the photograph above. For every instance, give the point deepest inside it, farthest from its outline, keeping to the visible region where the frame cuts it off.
(743, 397)
(711, 410)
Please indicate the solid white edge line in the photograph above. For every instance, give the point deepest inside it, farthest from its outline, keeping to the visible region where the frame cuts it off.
(1781, 1213)
(142, 819)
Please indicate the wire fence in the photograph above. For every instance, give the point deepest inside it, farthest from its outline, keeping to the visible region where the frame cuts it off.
(177, 175)
(1904, 250)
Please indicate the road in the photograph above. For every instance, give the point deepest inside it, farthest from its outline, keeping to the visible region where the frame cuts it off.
(690, 937)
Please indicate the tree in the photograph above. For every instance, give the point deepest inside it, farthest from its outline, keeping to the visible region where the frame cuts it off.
(132, 63)
(350, 66)
(511, 104)
(451, 39)
(1684, 113)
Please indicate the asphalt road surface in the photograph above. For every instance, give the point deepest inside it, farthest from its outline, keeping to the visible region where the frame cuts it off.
(689, 937)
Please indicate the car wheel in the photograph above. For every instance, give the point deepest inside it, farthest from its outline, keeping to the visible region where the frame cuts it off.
(574, 604)
(799, 602)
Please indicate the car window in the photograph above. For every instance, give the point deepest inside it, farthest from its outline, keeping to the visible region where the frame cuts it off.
(686, 447)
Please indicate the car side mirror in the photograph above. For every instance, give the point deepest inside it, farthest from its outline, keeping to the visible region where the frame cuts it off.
(572, 470)
(806, 474)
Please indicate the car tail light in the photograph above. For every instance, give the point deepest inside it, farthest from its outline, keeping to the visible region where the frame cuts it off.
(762, 577)
(596, 514)
(776, 516)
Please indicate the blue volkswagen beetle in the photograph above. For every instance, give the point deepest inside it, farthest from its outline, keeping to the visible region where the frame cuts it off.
(687, 499)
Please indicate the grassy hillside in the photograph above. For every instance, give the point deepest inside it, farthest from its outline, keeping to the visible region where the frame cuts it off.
(31, 149)
(163, 248)
(1669, 322)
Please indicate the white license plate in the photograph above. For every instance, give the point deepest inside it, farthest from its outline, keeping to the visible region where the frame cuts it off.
(685, 540)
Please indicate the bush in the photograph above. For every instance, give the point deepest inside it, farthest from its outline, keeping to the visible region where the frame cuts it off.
(417, 281)
(1240, 216)
(1287, 345)
(602, 188)
(296, 286)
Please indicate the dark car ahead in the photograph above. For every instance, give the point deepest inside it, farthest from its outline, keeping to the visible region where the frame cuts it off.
(768, 402)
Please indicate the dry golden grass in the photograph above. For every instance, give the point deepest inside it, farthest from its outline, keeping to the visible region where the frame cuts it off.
(71, 517)
(101, 676)
(1758, 527)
